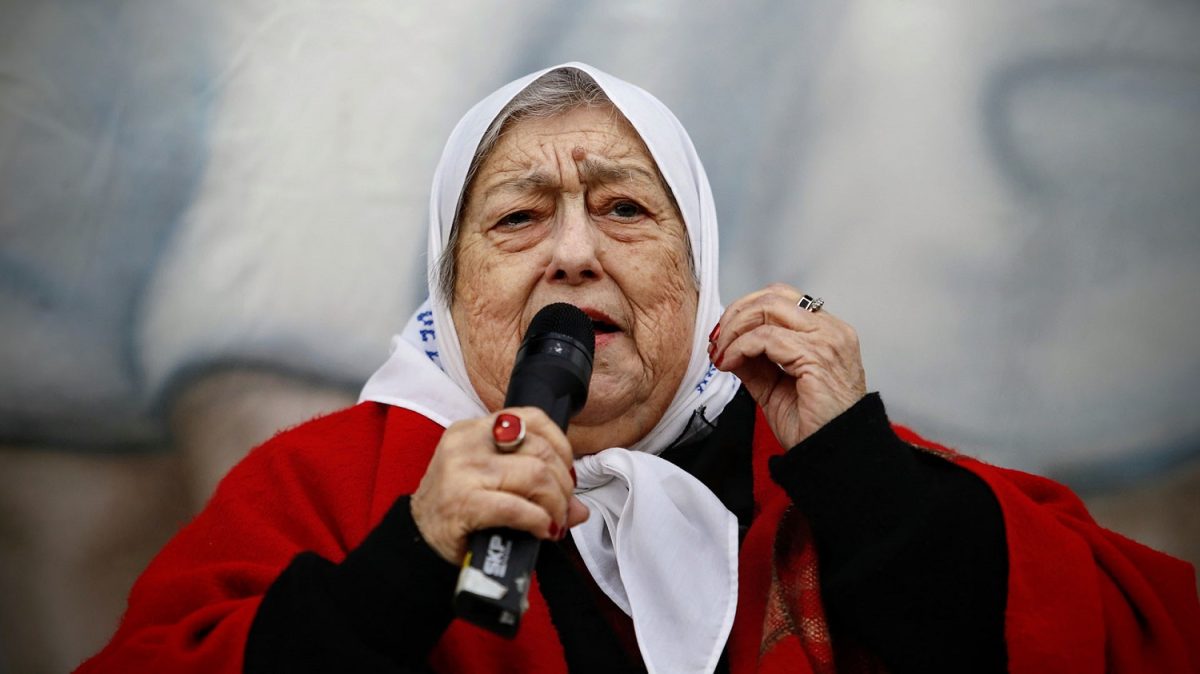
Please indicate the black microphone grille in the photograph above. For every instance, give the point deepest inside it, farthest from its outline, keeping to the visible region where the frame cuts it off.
(565, 319)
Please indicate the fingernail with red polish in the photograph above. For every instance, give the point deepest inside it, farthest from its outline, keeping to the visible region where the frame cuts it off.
(574, 480)
(719, 359)
(716, 332)
(554, 530)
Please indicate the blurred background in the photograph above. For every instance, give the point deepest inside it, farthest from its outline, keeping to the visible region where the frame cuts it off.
(212, 218)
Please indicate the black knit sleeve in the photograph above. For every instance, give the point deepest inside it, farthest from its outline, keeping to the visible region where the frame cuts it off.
(382, 609)
(913, 559)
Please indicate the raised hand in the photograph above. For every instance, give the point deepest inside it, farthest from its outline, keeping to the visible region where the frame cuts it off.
(803, 368)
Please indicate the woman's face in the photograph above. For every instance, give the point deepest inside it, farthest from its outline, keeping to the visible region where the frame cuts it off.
(572, 209)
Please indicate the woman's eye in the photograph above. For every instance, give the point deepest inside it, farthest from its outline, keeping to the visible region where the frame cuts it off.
(517, 219)
(626, 210)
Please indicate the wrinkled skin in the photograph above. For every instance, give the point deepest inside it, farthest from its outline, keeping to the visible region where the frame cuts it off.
(566, 209)
(572, 209)
(802, 368)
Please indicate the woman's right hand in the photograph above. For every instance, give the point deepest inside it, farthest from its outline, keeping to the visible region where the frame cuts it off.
(470, 485)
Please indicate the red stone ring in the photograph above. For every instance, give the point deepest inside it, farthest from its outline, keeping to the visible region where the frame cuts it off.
(508, 432)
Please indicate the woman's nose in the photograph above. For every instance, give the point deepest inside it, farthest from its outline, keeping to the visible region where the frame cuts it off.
(574, 259)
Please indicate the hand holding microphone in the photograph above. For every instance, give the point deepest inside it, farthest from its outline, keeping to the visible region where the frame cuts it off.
(487, 498)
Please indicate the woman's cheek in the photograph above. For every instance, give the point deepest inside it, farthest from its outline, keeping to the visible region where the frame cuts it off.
(667, 302)
(492, 284)
(487, 313)
(670, 279)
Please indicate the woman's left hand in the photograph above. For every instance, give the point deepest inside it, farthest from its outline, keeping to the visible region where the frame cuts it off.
(803, 368)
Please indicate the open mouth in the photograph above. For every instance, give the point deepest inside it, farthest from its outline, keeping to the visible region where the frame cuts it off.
(603, 327)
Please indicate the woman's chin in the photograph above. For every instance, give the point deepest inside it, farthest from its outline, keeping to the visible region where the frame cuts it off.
(623, 400)
(601, 410)
(613, 417)
(611, 400)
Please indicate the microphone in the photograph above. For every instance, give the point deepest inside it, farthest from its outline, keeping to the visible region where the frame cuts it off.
(552, 371)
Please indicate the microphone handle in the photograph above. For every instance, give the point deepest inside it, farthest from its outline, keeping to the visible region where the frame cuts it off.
(493, 585)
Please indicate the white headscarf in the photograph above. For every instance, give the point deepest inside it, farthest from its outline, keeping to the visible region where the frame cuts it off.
(658, 542)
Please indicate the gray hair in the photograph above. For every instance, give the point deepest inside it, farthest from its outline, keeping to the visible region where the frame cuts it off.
(555, 93)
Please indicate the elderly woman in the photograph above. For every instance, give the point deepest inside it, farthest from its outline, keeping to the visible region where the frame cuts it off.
(735, 500)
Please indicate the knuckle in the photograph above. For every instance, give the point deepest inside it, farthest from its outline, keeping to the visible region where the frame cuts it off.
(465, 510)
(461, 466)
(547, 452)
(763, 312)
(532, 415)
(511, 471)
(849, 333)
(508, 510)
(553, 501)
(780, 337)
(826, 351)
(542, 473)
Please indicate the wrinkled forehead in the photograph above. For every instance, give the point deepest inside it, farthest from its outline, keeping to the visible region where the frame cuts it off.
(596, 138)
(657, 129)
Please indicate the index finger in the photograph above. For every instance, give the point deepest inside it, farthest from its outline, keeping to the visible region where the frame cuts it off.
(780, 289)
(776, 298)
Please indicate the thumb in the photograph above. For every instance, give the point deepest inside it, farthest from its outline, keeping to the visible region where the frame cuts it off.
(577, 512)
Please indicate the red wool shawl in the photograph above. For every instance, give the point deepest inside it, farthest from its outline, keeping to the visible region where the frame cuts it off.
(1080, 598)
